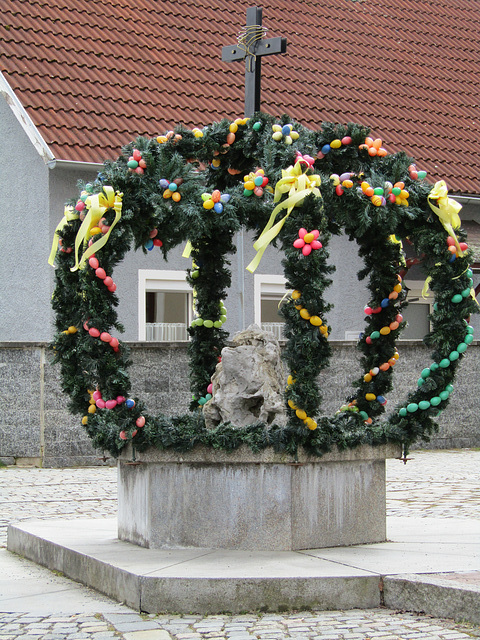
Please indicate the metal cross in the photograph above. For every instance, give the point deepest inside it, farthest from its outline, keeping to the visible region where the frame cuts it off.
(250, 47)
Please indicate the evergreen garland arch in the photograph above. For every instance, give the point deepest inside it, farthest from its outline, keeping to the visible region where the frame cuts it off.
(200, 187)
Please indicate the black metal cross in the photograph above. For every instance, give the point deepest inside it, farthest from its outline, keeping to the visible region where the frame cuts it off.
(250, 48)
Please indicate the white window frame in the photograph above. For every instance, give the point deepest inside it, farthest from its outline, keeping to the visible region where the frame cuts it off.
(269, 285)
(159, 280)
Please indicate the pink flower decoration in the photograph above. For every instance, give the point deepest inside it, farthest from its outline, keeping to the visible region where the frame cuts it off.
(307, 241)
(306, 159)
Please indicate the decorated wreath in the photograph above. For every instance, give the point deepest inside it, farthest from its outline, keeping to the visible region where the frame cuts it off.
(294, 187)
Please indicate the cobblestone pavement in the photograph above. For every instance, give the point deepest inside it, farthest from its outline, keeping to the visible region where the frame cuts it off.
(440, 484)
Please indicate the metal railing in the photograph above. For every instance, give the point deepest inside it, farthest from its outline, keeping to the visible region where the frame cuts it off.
(274, 327)
(166, 332)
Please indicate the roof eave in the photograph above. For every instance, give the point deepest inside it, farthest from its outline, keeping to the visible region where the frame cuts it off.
(25, 121)
(75, 164)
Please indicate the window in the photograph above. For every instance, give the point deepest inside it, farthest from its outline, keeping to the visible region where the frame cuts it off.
(165, 306)
(417, 312)
(269, 291)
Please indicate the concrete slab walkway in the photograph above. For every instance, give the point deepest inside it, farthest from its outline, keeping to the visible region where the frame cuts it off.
(433, 558)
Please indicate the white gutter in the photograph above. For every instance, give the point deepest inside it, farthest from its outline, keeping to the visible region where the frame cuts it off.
(72, 164)
(25, 121)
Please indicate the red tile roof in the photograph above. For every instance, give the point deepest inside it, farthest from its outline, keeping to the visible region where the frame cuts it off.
(94, 75)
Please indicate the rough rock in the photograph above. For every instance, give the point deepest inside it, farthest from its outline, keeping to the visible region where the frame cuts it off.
(249, 382)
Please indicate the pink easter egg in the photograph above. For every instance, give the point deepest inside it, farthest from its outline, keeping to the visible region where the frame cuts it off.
(100, 273)
(120, 399)
(110, 404)
(95, 333)
(140, 421)
(134, 433)
(108, 281)
(315, 233)
(105, 337)
(210, 388)
(258, 191)
(368, 310)
(100, 403)
(96, 395)
(368, 340)
(298, 244)
(112, 287)
(307, 250)
(153, 233)
(123, 435)
(136, 155)
(315, 244)
(139, 170)
(80, 206)
(346, 140)
(302, 232)
(114, 343)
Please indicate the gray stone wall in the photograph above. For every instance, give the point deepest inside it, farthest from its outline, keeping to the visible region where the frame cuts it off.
(35, 425)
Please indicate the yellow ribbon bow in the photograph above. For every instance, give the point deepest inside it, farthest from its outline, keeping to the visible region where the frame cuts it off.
(446, 209)
(97, 205)
(69, 213)
(298, 185)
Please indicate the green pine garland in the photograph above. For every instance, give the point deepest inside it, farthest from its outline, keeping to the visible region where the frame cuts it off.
(189, 186)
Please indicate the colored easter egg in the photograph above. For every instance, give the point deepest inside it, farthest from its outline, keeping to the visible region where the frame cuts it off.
(468, 339)
(301, 414)
(100, 273)
(454, 355)
(93, 262)
(444, 395)
(132, 164)
(208, 324)
(375, 335)
(435, 401)
(422, 175)
(258, 191)
(339, 190)
(336, 144)
(277, 136)
(326, 149)
(114, 343)
(149, 245)
(378, 191)
(257, 126)
(424, 405)
(218, 207)
(129, 403)
(105, 337)
(95, 333)
(258, 181)
(120, 399)
(80, 206)
(384, 303)
(136, 155)
(286, 129)
(304, 314)
(123, 435)
(110, 404)
(370, 396)
(444, 363)
(462, 347)
(100, 403)
(457, 298)
(396, 191)
(140, 421)
(412, 407)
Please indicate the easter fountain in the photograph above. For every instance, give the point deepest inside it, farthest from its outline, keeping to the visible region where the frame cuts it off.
(192, 491)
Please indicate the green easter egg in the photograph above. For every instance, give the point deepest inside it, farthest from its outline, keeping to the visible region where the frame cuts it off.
(257, 126)
(457, 298)
(403, 412)
(444, 363)
(412, 407)
(444, 394)
(433, 366)
(375, 335)
(208, 324)
(424, 405)
(468, 338)
(425, 373)
(454, 356)
(462, 347)
(435, 401)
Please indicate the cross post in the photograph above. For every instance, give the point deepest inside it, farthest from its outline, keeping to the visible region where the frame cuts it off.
(251, 47)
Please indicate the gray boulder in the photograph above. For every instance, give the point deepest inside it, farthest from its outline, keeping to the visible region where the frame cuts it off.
(249, 382)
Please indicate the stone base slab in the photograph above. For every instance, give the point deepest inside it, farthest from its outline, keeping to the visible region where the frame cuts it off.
(242, 500)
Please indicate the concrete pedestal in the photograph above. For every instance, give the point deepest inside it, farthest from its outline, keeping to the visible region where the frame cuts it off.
(265, 501)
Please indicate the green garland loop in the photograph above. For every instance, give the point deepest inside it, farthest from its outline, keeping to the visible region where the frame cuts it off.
(200, 187)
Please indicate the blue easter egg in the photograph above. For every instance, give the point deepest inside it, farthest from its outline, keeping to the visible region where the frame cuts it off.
(149, 245)
(129, 403)
(218, 207)
(225, 197)
(326, 149)
(258, 181)
(384, 303)
(164, 183)
(172, 186)
(286, 129)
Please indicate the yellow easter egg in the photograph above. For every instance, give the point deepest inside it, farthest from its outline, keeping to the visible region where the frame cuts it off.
(296, 294)
(216, 162)
(311, 424)
(291, 404)
(95, 231)
(335, 179)
(323, 329)
(162, 139)
(304, 314)
(336, 144)
(250, 185)
(233, 128)
(277, 128)
(370, 396)
(92, 408)
(72, 329)
(348, 184)
(367, 377)
(316, 321)
(385, 331)
(294, 135)
(277, 135)
(290, 380)
(84, 420)
(397, 288)
(300, 413)
(208, 204)
(377, 201)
